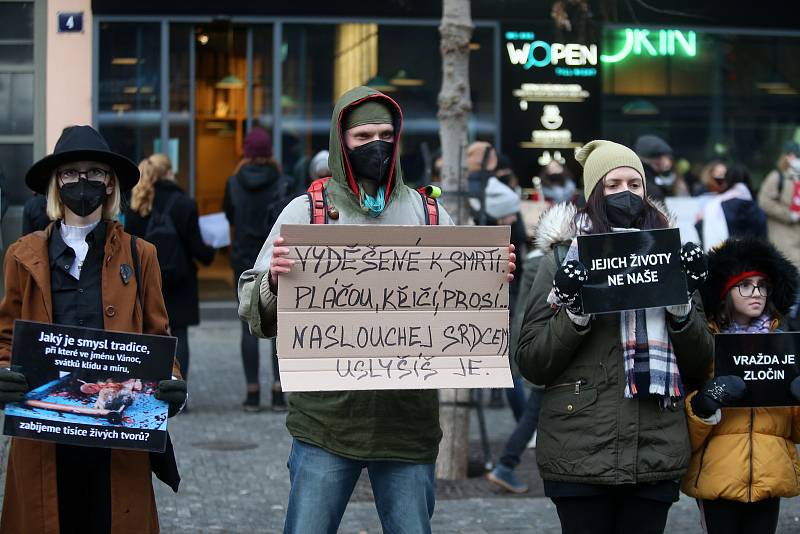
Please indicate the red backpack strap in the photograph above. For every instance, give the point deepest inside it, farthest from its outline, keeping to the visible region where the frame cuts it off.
(429, 205)
(318, 201)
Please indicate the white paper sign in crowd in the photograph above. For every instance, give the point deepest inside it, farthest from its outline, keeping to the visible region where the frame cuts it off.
(394, 307)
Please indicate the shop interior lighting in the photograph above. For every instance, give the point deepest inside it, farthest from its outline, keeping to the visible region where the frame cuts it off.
(202, 38)
(125, 61)
(120, 108)
(474, 46)
(402, 79)
(230, 81)
(640, 106)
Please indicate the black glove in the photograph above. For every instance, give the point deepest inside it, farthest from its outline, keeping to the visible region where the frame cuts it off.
(174, 393)
(718, 392)
(794, 387)
(567, 283)
(13, 386)
(695, 265)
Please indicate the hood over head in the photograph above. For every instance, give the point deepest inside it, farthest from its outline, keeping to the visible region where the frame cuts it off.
(253, 177)
(342, 188)
(735, 258)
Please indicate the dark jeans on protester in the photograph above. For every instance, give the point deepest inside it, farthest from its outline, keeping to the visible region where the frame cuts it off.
(733, 517)
(182, 351)
(523, 432)
(516, 397)
(611, 513)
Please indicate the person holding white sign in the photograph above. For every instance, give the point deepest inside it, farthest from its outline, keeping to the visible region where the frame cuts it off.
(743, 459)
(83, 270)
(612, 439)
(393, 434)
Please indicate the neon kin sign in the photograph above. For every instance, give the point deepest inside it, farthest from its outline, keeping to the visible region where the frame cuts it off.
(639, 42)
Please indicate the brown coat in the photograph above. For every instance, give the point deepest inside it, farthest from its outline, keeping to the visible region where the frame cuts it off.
(31, 500)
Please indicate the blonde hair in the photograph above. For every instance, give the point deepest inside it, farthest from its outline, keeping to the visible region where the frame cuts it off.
(55, 208)
(151, 170)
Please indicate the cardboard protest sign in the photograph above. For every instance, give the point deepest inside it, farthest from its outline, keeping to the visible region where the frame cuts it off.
(90, 387)
(394, 307)
(632, 270)
(767, 362)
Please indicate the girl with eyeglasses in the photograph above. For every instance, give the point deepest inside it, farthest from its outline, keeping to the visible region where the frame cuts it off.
(743, 459)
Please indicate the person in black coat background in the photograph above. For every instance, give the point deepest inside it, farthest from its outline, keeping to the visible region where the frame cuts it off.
(154, 192)
(254, 197)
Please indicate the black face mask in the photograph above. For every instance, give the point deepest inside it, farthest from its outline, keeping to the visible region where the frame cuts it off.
(83, 196)
(372, 160)
(622, 209)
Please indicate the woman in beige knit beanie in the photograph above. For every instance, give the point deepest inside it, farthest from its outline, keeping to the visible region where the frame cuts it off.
(612, 438)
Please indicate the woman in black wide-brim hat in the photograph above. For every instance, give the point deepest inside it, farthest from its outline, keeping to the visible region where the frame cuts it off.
(82, 270)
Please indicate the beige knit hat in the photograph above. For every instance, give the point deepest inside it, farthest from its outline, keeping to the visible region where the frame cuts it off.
(600, 157)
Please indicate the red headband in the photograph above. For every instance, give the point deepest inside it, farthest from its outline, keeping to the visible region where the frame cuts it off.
(733, 280)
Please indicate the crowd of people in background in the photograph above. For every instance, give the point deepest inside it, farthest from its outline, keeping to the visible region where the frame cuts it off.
(623, 474)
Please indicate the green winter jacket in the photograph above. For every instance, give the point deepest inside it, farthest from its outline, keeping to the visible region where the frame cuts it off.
(588, 432)
(366, 425)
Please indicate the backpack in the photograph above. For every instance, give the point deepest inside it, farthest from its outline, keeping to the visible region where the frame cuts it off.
(318, 203)
(163, 234)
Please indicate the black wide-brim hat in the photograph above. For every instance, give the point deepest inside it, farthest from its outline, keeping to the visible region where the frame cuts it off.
(81, 143)
(745, 255)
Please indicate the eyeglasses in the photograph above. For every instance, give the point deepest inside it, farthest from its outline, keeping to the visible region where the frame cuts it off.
(95, 174)
(747, 289)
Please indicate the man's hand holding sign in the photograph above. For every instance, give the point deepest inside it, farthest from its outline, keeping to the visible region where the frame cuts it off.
(425, 308)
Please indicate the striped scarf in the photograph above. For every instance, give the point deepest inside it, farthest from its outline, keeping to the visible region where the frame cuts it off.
(646, 349)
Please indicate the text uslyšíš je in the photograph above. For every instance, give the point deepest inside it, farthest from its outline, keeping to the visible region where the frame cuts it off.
(325, 260)
(465, 337)
(401, 367)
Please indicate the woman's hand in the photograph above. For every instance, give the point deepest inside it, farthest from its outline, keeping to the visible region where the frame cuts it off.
(568, 282)
(694, 263)
(279, 264)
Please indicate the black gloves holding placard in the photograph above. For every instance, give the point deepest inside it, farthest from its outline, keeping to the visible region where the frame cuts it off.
(717, 393)
(13, 386)
(567, 283)
(695, 265)
(173, 392)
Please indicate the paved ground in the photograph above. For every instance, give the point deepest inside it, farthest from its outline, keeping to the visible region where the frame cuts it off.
(235, 478)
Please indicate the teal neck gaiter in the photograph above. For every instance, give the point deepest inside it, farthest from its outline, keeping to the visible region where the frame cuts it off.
(375, 205)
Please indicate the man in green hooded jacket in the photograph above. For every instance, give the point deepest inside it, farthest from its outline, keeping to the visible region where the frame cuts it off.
(394, 434)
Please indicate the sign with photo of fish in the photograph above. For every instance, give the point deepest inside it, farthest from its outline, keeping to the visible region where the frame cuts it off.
(90, 387)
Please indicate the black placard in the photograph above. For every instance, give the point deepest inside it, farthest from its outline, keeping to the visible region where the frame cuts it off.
(767, 362)
(632, 270)
(90, 387)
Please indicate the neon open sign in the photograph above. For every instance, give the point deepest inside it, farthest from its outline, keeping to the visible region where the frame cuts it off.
(639, 42)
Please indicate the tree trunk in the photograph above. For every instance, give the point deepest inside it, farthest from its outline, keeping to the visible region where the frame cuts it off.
(454, 109)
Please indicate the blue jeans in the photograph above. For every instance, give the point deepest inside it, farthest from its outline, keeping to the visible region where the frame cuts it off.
(322, 483)
(524, 430)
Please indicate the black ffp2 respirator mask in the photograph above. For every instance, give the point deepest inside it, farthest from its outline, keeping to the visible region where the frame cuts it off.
(372, 160)
(622, 209)
(83, 197)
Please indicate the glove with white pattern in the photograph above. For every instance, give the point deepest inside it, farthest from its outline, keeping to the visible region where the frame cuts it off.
(694, 263)
(567, 284)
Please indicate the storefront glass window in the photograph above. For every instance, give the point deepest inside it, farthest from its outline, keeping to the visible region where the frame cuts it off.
(129, 67)
(322, 61)
(710, 95)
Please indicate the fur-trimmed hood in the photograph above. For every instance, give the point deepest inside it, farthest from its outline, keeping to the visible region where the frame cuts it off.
(558, 223)
(736, 256)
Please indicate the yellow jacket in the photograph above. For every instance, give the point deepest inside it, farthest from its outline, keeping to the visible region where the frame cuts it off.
(748, 456)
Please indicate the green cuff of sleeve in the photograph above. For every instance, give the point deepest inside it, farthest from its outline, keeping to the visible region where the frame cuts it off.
(261, 324)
